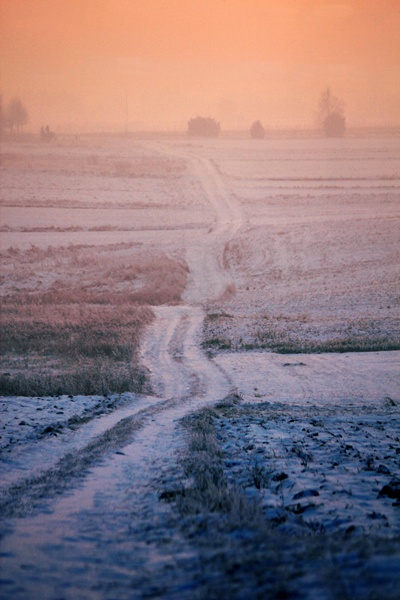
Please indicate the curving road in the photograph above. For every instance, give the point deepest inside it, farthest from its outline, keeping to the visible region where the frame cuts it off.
(92, 519)
(177, 330)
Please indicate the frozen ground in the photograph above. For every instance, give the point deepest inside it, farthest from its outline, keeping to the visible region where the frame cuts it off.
(334, 435)
(290, 243)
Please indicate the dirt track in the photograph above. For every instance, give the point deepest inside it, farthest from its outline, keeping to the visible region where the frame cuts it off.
(93, 524)
(184, 380)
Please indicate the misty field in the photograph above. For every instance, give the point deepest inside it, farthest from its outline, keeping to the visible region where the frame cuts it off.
(314, 267)
(199, 371)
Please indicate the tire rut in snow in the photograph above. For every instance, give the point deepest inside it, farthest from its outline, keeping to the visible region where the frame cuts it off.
(209, 275)
(184, 380)
(24, 497)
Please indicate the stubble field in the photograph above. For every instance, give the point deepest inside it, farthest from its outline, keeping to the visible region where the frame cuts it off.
(279, 259)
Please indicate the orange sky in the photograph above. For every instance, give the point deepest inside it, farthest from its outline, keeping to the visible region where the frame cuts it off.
(75, 62)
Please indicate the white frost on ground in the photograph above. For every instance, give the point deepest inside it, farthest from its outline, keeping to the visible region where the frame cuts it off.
(330, 423)
(358, 378)
(294, 231)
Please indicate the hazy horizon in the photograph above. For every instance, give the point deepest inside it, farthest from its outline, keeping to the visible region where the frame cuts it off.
(154, 64)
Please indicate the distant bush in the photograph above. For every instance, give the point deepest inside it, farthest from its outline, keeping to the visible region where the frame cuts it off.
(257, 130)
(204, 127)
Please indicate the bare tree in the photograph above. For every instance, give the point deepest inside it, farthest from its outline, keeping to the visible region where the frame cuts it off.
(16, 115)
(257, 130)
(331, 114)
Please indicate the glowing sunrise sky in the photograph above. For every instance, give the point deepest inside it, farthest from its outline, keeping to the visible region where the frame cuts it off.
(74, 63)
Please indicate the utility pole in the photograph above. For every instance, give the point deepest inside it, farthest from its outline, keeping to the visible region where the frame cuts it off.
(126, 111)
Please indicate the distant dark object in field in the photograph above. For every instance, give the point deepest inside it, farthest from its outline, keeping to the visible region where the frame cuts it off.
(391, 490)
(390, 401)
(257, 130)
(280, 476)
(169, 495)
(331, 115)
(334, 125)
(203, 127)
(14, 115)
(305, 494)
(46, 135)
(298, 364)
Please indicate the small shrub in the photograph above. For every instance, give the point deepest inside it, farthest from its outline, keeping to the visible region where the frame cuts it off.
(258, 475)
(217, 344)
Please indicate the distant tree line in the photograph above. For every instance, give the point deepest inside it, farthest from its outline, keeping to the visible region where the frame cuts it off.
(330, 118)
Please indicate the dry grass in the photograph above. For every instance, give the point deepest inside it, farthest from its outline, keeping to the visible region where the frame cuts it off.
(294, 335)
(51, 349)
(72, 317)
(207, 499)
(116, 274)
(133, 163)
(242, 556)
(234, 541)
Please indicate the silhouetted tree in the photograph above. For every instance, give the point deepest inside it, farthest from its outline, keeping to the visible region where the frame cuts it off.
(16, 115)
(331, 115)
(203, 126)
(257, 130)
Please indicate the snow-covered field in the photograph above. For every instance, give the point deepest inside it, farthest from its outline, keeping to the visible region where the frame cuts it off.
(291, 249)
